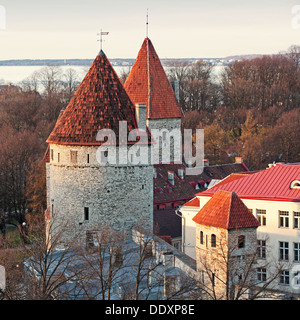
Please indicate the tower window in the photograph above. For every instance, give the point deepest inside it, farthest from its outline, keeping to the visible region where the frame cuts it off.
(88, 158)
(201, 237)
(213, 240)
(241, 241)
(51, 154)
(58, 157)
(74, 156)
(86, 213)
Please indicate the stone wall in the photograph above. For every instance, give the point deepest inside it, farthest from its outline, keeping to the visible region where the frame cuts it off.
(119, 195)
(222, 266)
(169, 124)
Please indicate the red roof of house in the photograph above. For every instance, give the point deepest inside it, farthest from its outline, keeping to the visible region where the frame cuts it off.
(147, 83)
(227, 211)
(195, 202)
(269, 184)
(100, 102)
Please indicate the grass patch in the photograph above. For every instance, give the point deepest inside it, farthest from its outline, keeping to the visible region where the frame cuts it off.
(12, 236)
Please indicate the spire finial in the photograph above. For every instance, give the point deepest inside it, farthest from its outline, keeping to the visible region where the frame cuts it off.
(147, 24)
(100, 38)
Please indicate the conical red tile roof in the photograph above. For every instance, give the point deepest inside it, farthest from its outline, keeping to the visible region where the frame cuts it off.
(147, 83)
(100, 102)
(227, 211)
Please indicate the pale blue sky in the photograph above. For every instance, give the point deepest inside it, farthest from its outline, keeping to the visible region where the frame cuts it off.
(190, 28)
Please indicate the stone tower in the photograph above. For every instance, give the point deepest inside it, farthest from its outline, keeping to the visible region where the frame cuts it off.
(83, 194)
(226, 245)
(148, 84)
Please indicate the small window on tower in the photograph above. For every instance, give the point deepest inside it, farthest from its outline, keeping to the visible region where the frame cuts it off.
(58, 157)
(241, 241)
(51, 154)
(86, 213)
(88, 158)
(74, 156)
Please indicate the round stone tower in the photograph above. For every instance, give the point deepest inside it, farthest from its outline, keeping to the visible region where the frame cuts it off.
(82, 193)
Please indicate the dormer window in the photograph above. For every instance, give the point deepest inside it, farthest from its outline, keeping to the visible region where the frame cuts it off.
(295, 184)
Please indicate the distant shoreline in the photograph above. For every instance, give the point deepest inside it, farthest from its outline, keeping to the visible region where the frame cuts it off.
(114, 62)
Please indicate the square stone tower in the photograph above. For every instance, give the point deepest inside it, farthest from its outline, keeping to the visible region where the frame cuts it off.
(147, 84)
(226, 246)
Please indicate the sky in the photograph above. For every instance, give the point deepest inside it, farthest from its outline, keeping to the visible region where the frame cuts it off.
(67, 29)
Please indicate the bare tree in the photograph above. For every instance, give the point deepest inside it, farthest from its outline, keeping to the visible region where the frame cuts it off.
(230, 271)
(51, 270)
(70, 83)
(103, 261)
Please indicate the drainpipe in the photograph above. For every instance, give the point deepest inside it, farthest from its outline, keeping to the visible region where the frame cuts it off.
(183, 229)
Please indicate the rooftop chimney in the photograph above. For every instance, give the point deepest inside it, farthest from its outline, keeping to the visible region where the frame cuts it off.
(140, 113)
(181, 173)
(238, 160)
(171, 177)
(154, 173)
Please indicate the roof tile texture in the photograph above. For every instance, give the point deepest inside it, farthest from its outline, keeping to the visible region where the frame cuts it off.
(269, 184)
(100, 102)
(227, 211)
(147, 83)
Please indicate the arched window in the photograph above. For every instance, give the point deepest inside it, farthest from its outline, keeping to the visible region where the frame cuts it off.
(213, 240)
(201, 237)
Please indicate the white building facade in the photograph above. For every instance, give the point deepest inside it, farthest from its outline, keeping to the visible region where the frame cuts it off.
(273, 196)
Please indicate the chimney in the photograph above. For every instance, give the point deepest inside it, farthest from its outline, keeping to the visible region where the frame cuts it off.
(168, 259)
(205, 162)
(154, 173)
(148, 246)
(181, 173)
(238, 160)
(171, 177)
(140, 113)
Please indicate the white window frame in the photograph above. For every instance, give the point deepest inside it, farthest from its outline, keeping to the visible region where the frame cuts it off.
(296, 251)
(261, 215)
(284, 248)
(296, 217)
(262, 249)
(283, 221)
(285, 276)
(262, 274)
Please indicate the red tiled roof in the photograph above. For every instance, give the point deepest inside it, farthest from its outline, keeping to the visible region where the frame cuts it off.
(100, 102)
(227, 211)
(147, 83)
(234, 176)
(269, 184)
(184, 189)
(47, 155)
(195, 202)
(166, 223)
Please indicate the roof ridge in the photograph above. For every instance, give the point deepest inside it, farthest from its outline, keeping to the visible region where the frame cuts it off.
(230, 207)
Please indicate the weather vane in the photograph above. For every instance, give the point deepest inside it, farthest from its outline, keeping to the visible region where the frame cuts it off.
(101, 39)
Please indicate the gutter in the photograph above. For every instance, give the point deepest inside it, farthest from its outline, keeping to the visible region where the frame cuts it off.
(182, 229)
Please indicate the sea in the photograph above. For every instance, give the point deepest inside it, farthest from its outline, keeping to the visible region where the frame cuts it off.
(17, 74)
